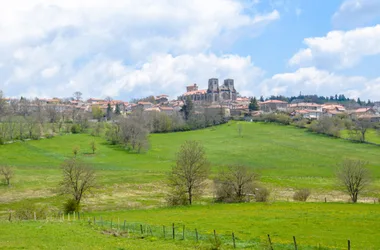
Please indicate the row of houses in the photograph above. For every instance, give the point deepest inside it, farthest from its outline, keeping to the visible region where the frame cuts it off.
(315, 111)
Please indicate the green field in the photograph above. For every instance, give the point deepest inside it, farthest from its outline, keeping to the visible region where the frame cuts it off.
(287, 158)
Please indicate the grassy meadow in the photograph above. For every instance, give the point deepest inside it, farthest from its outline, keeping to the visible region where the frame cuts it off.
(131, 186)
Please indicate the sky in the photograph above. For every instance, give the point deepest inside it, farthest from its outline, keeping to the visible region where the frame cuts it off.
(128, 49)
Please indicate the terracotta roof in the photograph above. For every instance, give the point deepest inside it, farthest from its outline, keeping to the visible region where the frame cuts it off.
(273, 101)
(196, 92)
(153, 109)
(166, 108)
(145, 103)
(304, 104)
(362, 110)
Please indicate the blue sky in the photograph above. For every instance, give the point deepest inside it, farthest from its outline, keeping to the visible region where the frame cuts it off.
(127, 49)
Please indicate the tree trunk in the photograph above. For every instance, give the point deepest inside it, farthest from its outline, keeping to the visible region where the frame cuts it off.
(190, 196)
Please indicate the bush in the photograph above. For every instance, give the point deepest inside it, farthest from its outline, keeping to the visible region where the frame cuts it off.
(75, 129)
(261, 194)
(27, 210)
(70, 206)
(301, 195)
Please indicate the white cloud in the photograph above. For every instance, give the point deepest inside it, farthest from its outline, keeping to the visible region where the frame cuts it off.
(162, 74)
(56, 47)
(352, 13)
(339, 49)
(50, 72)
(313, 81)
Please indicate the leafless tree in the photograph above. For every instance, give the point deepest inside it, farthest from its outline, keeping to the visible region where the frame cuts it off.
(3, 105)
(52, 113)
(353, 176)
(31, 124)
(77, 95)
(235, 183)
(132, 133)
(78, 179)
(359, 128)
(7, 172)
(108, 99)
(188, 176)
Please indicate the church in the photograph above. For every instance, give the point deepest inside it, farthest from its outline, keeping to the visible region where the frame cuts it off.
(214, 93)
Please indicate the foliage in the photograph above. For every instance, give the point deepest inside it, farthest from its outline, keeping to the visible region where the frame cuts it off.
(188, 108)
(358, 128)
(93, 146)
(27, 210)
(301, 195)
(97, 112)
(189, 174)
(7, 173)
(75, 129)
(70, 206)
(353, 176)
(253, 105)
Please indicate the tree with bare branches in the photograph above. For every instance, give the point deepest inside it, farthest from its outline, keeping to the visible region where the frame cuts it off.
(7, 172)
(78, 180)
(353, 176)
(235, 183)
(77, 95)
(188, 176)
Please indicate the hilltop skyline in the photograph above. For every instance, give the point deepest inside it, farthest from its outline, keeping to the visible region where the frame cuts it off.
(128, 49)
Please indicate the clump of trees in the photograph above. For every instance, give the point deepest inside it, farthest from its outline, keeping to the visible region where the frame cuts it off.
(187, 178)
(7, 173)
(235, 184)
(353, 177)
(78, 180)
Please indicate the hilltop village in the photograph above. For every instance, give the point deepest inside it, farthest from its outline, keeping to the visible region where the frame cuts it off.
(223, 98)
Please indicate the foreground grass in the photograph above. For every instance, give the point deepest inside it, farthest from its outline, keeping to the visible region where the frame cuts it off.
(328, 225)
(58, 235)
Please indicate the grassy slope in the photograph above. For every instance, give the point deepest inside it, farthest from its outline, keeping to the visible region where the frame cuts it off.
(327, 224)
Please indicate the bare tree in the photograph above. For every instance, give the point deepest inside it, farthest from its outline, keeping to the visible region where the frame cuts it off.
(132, 133)
(52, 113)
(192, 168)
(359, 128)
(235, 183)
(78, 179)
(353, 176)
(7, 172)
(77, 95)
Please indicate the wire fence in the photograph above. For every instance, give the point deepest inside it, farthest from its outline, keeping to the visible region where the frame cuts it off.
(180, 232)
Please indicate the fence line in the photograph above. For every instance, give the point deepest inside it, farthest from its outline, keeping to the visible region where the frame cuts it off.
(176, 232)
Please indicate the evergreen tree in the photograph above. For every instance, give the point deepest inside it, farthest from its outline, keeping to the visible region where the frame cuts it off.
(359, 102)
(261, 99)
(117, 110)
(109, 111)
(187, 108)
(253, 105)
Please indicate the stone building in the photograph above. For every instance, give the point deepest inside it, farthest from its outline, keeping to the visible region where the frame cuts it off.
(213, 94)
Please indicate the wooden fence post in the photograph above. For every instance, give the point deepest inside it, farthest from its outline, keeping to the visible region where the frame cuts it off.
(124, 225)
(10, 216)
(295, 242)
(173, 232)
(141, 229)
(94, 221)
(270, 242)
(163, 229)
(35, 216)
(196, 234)
(183, 233)
(101, 221)
(233, 239)
(215, 235)
(349, 245)
(325, 200)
